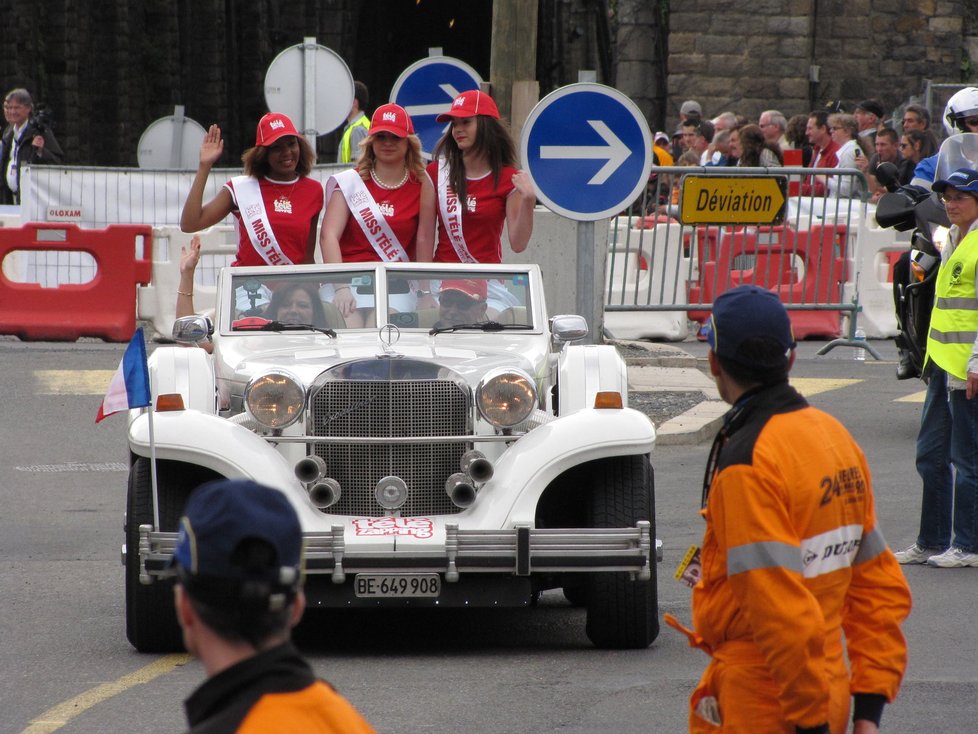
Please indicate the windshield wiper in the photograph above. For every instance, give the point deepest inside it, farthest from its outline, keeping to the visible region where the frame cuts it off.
(481, 326)
(280, 326)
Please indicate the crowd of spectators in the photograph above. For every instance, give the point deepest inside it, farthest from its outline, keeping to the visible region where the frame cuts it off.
(825, 138)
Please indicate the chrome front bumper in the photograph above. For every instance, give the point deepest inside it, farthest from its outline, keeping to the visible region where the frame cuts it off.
(520, 551)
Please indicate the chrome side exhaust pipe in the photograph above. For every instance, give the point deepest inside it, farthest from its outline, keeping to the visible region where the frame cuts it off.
(460, 490)
(324, 493)
(476, 465)
(310, 468)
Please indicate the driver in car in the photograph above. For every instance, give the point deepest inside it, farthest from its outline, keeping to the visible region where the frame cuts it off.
(461, 302)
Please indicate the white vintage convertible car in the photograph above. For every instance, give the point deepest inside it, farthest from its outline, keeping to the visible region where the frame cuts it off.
(443, 441)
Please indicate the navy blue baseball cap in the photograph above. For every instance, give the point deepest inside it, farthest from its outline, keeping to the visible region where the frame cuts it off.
(223, 514)
(963, 179)
(748, 312)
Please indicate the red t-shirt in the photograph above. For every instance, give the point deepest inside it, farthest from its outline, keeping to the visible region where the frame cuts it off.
(483, 217)
(290, 208)
(400, 207)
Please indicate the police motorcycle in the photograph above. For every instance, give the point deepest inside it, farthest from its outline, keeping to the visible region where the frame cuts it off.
(915, 207)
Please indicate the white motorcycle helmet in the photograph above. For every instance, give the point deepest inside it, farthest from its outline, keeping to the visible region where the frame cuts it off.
(963, 103)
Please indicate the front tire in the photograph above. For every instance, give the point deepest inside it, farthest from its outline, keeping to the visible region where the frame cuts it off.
(151, 620)
(622, 613)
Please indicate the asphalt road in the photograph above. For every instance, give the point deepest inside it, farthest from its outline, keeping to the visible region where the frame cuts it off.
(68, 668)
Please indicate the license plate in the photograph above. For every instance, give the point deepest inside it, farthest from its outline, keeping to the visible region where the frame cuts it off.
(398, 585)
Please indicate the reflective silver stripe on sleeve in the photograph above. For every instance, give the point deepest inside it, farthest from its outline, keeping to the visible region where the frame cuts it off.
(958, 304)
(953, 337)
(873, 543)
(769, 554)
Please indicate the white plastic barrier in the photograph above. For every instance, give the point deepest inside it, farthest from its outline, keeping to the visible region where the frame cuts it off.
(157, 302)
(648, 266)
(874, 265)
(15, 264)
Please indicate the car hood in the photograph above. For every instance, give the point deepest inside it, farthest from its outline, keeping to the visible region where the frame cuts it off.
(307, 357)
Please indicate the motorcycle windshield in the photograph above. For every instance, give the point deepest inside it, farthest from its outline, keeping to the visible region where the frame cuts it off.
(958, 151)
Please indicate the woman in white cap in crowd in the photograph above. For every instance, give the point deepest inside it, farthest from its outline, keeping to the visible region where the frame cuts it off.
(478, 186)
(396, 222)
(275, 203)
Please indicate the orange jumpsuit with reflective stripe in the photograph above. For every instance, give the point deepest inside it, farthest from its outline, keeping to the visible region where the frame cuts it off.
(794, 567)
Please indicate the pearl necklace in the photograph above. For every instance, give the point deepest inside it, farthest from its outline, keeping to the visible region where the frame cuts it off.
(399, 184)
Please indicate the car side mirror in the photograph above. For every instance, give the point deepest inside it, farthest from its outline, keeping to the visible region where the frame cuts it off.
(192, 329)
(566, 328)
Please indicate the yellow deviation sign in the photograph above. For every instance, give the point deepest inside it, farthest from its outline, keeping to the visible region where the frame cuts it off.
(732, 200)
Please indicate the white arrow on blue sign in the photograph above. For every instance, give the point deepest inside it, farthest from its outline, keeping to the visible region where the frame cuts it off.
(588, 149)
(426, 89)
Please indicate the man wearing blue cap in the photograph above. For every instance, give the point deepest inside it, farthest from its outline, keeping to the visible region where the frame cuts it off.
(238, 594)
(794, 567)
(949, 421)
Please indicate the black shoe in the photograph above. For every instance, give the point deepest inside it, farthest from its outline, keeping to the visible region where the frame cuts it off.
(905, 369)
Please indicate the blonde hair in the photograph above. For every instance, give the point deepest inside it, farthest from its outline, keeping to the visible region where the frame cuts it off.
(412, 158)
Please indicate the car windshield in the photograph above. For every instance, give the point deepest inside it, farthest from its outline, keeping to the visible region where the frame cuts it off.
(320, 300)
(453, 300)
(424, 299)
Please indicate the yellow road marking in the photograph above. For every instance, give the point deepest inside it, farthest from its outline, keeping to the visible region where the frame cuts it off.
(72, 382)
(916, 397)
(809, 386)
(56, 717)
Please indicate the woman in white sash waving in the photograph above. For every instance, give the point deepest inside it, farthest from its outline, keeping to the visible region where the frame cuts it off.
(275, 203)
(475, 165)
(384, 209)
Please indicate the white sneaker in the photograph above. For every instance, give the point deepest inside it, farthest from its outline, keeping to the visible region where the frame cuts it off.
(954, 558)
(916, 554)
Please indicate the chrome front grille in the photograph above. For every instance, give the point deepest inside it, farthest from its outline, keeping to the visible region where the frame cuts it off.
(350, 408)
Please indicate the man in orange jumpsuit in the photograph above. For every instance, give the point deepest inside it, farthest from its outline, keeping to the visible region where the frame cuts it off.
(794, 567)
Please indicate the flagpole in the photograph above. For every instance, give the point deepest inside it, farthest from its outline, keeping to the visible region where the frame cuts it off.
(130, 389)
(152, 472)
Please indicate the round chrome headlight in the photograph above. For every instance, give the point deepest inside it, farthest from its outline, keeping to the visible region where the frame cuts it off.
(506, 397)
(275, 399)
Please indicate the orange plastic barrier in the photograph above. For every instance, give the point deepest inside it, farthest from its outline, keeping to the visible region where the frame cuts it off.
(104, 307)
(823, 252)
(804, 267)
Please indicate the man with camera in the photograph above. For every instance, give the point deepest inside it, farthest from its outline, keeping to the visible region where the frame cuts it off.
(26, 139)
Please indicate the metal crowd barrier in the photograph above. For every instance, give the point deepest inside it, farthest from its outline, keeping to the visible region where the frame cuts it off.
(663, 274)
(826, 258)
(96, 197)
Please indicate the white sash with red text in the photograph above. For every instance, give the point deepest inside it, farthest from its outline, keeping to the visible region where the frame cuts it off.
(254, 219)
(451, 214)
(363, 208)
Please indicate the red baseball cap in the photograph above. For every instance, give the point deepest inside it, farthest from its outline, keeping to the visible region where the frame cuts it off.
(470, 104)
(393, 119)
(474, 289)
(273, 126)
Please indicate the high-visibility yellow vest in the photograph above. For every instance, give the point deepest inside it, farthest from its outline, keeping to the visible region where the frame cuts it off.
(346, 149)
(954, 320)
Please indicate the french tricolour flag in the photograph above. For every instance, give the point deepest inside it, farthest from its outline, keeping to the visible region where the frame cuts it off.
(129, 387)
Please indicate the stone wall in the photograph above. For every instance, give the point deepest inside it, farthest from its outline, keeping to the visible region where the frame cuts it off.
(796, 55)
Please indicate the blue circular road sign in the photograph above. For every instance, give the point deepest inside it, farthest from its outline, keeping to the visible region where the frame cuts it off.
(426, 89)
(588, 149)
